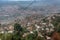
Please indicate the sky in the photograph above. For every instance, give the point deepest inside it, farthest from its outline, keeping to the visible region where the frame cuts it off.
(20, 0)
(17, 0)
(31, 0)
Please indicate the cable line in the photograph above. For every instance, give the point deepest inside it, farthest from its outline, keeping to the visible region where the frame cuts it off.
(29, 5)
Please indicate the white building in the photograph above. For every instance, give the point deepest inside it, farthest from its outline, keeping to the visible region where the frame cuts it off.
(10, 31)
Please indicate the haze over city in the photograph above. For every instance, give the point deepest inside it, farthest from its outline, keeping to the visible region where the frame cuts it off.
(29, 19)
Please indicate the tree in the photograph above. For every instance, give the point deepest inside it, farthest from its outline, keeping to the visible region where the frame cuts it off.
(0, 25)
(30, 37)
(17, 27)
(17, 32)
(58, 28)
(56, 23)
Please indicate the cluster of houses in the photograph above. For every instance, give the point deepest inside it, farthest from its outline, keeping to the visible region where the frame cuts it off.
(6, 28)
(41, 27)
(33, 25)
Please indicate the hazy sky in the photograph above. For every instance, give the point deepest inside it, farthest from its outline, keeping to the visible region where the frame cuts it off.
(30, 0)
(20, 0)
(17, 0)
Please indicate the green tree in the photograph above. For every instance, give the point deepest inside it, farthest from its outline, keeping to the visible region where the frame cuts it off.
(56, 23)
(58, 28)
(17, 27)
(17, 32)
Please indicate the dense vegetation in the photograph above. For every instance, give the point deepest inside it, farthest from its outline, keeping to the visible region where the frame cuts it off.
(56, 23)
